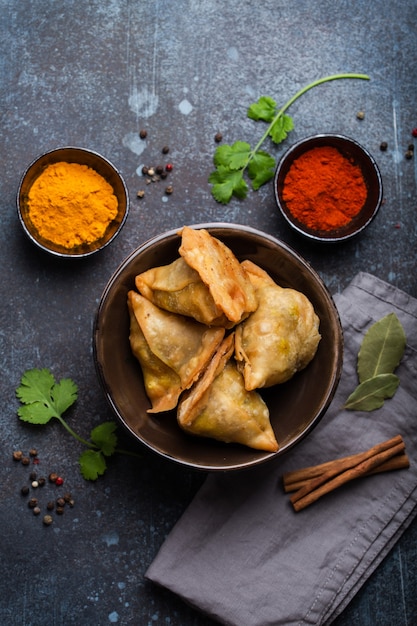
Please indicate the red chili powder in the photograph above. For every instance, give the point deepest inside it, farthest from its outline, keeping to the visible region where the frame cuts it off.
(323, 189)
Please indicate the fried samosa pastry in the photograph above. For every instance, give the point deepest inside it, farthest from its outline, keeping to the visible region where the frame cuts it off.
(178, 288)
(280, 338)
(221, 271)
(218, 406)
(182, 344)
(162, 384)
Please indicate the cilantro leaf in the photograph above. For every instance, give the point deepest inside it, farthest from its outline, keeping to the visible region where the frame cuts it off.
(104, 437)
(261, 169)
(264, 109)
(92, 464)
(280, 129)
(233, 157)
(42, 398)
(227, 183)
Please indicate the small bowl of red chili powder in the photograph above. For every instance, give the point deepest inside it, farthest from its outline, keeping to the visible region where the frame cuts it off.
(328, 187)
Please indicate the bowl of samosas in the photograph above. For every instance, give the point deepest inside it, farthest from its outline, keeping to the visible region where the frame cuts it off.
(217, 346)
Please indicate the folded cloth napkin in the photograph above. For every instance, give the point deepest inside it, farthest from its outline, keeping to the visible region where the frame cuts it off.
(244, 557)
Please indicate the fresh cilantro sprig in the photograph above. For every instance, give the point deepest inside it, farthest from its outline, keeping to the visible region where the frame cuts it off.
(232, 161)
(43, 398)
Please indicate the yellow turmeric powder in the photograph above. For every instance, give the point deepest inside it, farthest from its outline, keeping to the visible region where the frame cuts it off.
(70, 204)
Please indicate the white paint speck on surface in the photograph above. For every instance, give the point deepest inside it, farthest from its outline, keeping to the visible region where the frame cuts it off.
(143, 102)
(114, 617)
(134, 143)
(185, 107)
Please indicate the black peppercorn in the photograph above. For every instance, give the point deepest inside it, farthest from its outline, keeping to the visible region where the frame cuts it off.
(218, 137)
(25, 460)
(41, 481)
(144, 170)
(32, 503)
(67, 497)
(32, 476)
(60, 502)
(169, 190)
(383, 146)
(33, 452)
(165, 150)
(24, 490)
(411, 147)
(52, 477)
(143, 133)
(59, 510)
(409, 154)
(17, 455)
(50, 506)
(159, 169)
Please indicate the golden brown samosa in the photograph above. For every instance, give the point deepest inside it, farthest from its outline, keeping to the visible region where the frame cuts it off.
(221, 271)
(162, 384)
(280, 338)
(181, 343)
(218, 406)
(178, 288)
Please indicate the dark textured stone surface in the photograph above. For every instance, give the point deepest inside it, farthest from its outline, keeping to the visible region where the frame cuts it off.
(93, 74)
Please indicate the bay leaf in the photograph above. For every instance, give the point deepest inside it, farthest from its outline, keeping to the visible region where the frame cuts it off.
(382, 348)
(371, 394)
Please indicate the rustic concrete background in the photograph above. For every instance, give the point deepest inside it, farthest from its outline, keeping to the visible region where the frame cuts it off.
(93, 74)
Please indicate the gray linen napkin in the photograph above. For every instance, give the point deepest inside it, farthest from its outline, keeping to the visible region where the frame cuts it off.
(243, 556)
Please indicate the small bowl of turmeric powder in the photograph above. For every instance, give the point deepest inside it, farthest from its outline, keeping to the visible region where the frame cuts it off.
(72, 202)
(328, 187)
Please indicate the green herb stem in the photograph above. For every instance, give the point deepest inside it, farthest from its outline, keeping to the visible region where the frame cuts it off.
(299, 93)
(68, 428)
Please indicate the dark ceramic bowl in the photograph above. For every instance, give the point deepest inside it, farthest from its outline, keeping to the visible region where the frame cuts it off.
(295, 407)
(358, 156)
(83, 157)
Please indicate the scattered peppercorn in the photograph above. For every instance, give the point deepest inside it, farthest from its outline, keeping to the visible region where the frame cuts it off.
(50, 506)
(24, 490)
(32, 476)
(411, 147)
(218, 137)
(144, 170)
(41, 481)
(52, 477)
(33, 452)
(383, 146)
(35, 484)
(151, 171)
(140, 193)
(414, 132)
(32, 503)
(59, 481)
(36, 510)
(169, 167)
(409, 154)
(47, 520)
(159, 169)
(360, 115)
(25, 460)
(17, 455)
(164, 175)
(165, 150)
(169, 190)
(143, 133)
(59, 510)
(60, 502)
(67, 497)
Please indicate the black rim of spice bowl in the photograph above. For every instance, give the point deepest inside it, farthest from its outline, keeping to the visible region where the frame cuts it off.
(358, 155)
(82, 156)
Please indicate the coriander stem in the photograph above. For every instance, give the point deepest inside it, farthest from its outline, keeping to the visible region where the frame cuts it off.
(286, 106)
(74, 434)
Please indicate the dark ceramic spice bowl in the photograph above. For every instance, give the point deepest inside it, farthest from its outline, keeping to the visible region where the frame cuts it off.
(92, 160)
(295, 406)
(357, 155)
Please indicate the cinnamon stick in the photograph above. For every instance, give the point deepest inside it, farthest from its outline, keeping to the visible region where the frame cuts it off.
(319, 480)
(400, 461)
